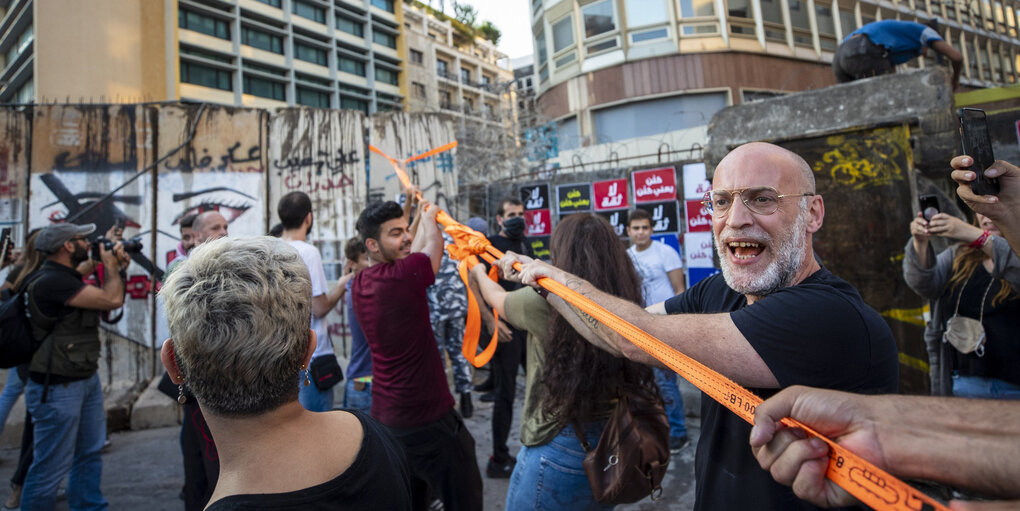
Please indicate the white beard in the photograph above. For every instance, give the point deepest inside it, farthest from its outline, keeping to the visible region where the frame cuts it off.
(780, 273)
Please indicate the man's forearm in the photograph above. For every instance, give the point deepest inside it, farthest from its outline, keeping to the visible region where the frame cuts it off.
(113, 285)
(970, 443)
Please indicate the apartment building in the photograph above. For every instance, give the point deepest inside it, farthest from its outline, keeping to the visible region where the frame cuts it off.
(258, 53)
(450, 70)
(630, 80)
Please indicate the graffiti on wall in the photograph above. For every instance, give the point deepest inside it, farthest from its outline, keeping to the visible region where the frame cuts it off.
(401, 135)
(79, 155)
(861, 175)
(14, 131)
(322, 153)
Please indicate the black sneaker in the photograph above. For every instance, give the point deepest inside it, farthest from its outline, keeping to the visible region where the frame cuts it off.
(466, 408)
(488, 397)
(502, 470)
(677, 443)
(485, 386)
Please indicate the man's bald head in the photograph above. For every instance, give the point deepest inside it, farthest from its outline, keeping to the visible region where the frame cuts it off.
(209, 225)
(755, 157)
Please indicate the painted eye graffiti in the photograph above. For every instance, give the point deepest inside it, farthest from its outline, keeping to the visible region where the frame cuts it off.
(227, 201)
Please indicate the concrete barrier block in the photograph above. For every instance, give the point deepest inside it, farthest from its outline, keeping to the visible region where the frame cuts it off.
(153, 409)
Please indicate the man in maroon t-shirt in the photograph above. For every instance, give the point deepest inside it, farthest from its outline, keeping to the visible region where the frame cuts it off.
(409, 390)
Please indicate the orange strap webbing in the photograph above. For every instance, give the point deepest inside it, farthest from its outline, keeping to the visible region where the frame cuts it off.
(870, 484)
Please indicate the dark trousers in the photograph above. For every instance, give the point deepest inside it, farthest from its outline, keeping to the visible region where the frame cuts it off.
(858, 58)
(504, 378)
(201, 461)
(442, 460)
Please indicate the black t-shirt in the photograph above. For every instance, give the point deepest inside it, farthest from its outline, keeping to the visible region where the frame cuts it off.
(378, 479)
(504, 245)
(56, 285)
(1001, 359)
(818, 333)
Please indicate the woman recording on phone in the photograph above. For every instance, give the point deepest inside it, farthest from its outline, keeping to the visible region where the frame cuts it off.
(973, 337)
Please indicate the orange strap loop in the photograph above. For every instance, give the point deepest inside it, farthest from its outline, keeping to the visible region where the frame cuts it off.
(862, 479)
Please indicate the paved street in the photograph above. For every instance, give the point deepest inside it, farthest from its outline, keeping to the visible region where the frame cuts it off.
(142, 469)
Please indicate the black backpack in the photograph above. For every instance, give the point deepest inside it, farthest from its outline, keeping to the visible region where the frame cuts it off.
(17, 344)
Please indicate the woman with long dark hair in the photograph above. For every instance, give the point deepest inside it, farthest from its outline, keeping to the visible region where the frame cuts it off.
(570, 382)
(976, 278)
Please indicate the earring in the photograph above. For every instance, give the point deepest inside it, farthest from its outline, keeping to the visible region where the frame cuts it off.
(307, 371)
(180, 394)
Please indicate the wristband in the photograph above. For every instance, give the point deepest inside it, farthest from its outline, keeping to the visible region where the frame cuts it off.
(981, 240)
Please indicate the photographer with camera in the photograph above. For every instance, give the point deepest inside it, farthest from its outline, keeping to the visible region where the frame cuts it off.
(63, 392)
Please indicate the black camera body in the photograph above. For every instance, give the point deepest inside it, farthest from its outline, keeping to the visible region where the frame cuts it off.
(133, 245)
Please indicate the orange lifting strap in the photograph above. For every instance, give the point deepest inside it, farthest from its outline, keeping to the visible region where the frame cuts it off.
(870, 484)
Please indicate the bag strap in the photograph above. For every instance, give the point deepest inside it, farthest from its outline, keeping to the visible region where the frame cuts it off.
(981, 316)
(578, 432)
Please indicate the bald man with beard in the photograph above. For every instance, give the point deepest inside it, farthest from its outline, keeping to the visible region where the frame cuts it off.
(209, 225)
(773, 318)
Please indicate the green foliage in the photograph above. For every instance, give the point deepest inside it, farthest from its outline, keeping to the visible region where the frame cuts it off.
(489, 32)
(465, 13)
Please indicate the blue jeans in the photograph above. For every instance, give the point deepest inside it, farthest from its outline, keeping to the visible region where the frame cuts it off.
(984, 388)
(666, 380)
(12, 391)
(312, 398)
(358, 399)
(551, 477)
(70, 429)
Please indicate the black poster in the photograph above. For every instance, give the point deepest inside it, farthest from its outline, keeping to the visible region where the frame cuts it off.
(573, 198)
(617, 218)
(539, 247)
(535, 197)
(664, 216)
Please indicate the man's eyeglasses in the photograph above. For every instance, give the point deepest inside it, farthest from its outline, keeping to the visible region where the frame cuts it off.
(761, 200)
(79, 238)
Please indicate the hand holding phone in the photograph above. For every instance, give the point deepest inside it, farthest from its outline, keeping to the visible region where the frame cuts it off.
(929, 206)
(978, 145)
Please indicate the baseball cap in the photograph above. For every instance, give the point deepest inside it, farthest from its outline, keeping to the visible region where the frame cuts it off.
(479, 224)
(52, 237)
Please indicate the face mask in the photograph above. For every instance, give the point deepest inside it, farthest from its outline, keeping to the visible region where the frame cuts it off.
(514, 227)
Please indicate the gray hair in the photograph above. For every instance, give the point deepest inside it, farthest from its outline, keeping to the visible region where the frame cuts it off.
(238, 312)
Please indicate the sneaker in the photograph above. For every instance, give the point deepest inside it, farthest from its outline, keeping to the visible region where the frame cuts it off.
(488, 397)
(502, 470)
(14, 500)
(677, 443)
(466, 408)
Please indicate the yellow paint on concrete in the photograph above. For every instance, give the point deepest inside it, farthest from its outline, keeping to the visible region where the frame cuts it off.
(912, 316)
(914, 363)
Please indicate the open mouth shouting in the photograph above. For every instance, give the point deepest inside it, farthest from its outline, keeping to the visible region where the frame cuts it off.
(744, 251)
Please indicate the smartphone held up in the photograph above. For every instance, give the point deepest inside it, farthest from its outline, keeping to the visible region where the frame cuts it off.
(978, 145)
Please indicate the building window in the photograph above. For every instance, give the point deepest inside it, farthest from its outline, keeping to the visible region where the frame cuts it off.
(310, 54)
(386, 76)
(419, 89)
(598, 18)
(649, 35)
(465, 75)
(801, 24)
(416, 57)
(644, 118)
(486, 81)
(274, 3)
(563, 34)
(540, 49)
(772, 15)
(354, 67)
(197, 74)
(24, 40)
(697, 8)
(442, 68)
(386, 5)
(350, 26)
(469, 105)
(306, 10)
(384, 39)
(642, 13)
(261, 40)
(826, 27)
(207, 25)
(445, 99)
(311, 97)
(26, 94)
(264, 88)
(737, 9)
(354, 104)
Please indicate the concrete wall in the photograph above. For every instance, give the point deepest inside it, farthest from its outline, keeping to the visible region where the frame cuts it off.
(179, 159)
